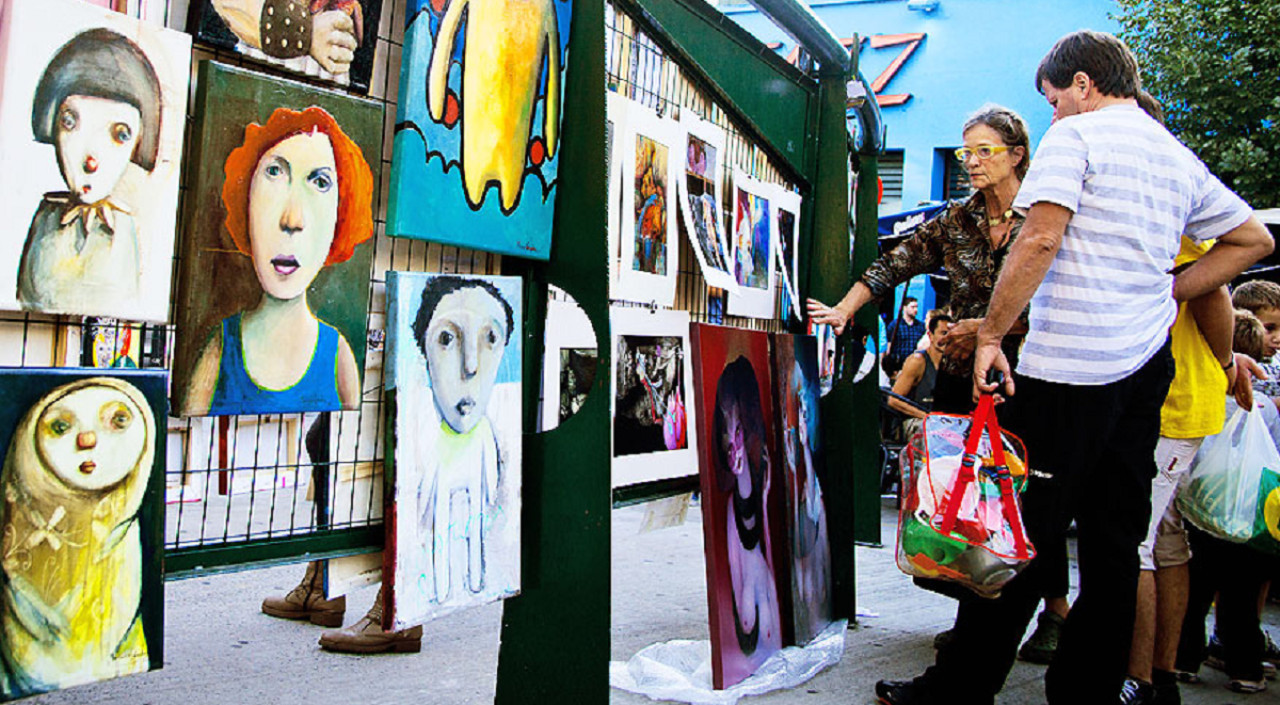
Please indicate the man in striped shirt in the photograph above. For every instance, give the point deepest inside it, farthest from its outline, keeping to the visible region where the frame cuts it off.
(1109, 194)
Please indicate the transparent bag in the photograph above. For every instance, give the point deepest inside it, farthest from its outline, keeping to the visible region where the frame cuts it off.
(1225, 485)
(960, 518)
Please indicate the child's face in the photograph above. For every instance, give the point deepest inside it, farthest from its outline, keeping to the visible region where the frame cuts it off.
(94, 138)
(293, 213)
(1270, 318)
(464, 345)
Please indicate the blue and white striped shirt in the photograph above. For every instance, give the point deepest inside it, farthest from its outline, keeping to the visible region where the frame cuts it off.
(1106, 303)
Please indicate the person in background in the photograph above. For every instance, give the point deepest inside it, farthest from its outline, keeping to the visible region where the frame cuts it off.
(926, 340)
(918, 376)
(1108, 198)
(1262, 299)
(903, 334)
(1236, 573)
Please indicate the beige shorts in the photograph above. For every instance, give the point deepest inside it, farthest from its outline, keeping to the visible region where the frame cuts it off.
(1166, 543)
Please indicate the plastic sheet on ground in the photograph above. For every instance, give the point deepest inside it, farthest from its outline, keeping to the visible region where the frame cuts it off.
(680, 670)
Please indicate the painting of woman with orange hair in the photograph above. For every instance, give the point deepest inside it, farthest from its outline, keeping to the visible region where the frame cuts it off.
(277, 335)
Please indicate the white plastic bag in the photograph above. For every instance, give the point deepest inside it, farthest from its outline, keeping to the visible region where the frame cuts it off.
(1222, 490)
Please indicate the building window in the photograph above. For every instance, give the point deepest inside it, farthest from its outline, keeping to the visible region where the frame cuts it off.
(955, 180)
(890, 166)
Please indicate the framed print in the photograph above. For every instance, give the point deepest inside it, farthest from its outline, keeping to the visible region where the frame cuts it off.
(701, 196)
(786, 208)
(752, 247)
(653, 149)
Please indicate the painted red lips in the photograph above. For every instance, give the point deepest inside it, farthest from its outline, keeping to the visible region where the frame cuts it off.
(285, 264)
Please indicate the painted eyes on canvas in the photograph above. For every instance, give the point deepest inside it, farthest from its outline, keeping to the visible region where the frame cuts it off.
(491, 337)
(321, 179)
(445, 338)
(274, 170)
(116, 416)
(68, 120)
(60, 424)
(121, 133)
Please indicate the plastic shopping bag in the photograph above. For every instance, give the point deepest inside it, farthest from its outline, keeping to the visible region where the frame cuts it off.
(1224, 489)
(961, 521)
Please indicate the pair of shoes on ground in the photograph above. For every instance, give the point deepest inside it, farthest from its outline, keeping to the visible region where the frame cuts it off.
(900, 693)
(366, 636)
(1216, 660)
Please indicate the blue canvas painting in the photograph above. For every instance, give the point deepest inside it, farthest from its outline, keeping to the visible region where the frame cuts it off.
(476, 156)
(453, 376)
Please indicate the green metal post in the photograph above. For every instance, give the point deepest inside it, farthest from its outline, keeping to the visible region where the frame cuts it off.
(866, 402)
(555, 634)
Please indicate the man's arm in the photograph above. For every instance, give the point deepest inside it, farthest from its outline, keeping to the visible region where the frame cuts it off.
(1020, 276)
(907, 380)
(1231, 255)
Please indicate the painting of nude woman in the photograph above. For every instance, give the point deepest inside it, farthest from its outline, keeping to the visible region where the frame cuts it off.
(275, 290)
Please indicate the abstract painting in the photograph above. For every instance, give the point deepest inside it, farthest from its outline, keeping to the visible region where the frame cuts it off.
(454, 391)
(82, 520)
(652, 156)
(740, 502)
(91, 130)
(577, 374)
(752, 247)
(277, 251)
(332, 40)
(652, 404)
(478, 124)
(700, 198)
(806, 556)
(786, 208)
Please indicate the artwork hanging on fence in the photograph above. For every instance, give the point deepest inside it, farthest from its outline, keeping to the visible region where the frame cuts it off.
(277, 252)
(752, 248)
(569, 359)
(82, 520)
(615, 130)
(786, 207)
(652, 156)
(700, 199)
(455, 394)
(91, 130)
(827, 339)
(478, 124)
(652, 404)
(332, 40)
(806, 560)
(739, 501)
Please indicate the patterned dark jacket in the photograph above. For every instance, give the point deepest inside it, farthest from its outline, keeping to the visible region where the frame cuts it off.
(957, 240)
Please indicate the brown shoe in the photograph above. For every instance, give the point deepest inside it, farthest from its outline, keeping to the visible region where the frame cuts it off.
(306, 601)
(366, 636)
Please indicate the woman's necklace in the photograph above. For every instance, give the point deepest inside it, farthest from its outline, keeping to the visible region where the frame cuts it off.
(1002, 218)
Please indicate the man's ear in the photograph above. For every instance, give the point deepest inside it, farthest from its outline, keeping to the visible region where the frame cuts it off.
(1082, 82)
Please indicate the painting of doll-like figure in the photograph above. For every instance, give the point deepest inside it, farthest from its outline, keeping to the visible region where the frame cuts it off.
(808, 547)
(455, 362)
(78, 557)
(285, 330)
(93, 114)
(739, 495)
(478, 123)
(328, 39)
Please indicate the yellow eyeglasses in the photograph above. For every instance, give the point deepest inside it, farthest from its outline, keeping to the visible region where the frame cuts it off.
(984, 151)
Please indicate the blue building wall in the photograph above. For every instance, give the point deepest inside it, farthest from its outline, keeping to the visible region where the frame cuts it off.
(973, 52)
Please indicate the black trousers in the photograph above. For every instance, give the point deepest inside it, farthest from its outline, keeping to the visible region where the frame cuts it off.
(1095, 447)
(1236, 574)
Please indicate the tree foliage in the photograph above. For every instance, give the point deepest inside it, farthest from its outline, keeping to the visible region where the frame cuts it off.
(1215, 67)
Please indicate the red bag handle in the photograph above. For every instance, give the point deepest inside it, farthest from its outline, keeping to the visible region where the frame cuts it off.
(984, 417)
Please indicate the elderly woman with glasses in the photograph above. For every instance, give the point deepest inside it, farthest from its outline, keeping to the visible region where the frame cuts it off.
(968, 239)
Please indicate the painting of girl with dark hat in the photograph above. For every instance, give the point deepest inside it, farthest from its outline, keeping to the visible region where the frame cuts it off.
(109, 102)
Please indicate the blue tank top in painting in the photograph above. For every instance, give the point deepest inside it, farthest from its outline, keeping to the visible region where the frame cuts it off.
(237, 393)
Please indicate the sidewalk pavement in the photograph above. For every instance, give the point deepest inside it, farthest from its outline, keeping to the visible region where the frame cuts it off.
(220, 649)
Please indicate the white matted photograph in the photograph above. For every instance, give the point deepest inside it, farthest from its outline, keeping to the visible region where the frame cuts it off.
(701, 196)
(786, 207)
(751, 245)
(652, 159)
(652, 400)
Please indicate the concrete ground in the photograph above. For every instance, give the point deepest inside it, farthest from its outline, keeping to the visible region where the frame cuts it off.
(221, 649)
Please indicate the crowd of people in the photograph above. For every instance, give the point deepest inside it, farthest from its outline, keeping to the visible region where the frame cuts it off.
(1094, 276)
